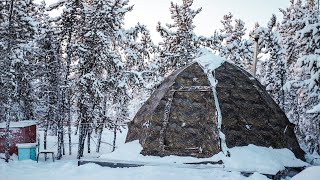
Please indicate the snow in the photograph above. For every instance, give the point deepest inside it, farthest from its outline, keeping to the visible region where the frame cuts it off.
(243, 159)
(48, 170)
(311, 173)
(27, 145)
(208, 60)
(249, 158)
(261, 159)
(19, 124)
(315, 109)
(257, 176)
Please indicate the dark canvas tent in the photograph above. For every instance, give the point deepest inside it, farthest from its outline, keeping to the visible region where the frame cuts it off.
(182, 116)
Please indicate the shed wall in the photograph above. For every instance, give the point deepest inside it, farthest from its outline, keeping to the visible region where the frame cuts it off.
(17, 136)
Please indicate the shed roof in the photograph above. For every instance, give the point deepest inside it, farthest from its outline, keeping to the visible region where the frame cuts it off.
(26, 145)
(19, 124)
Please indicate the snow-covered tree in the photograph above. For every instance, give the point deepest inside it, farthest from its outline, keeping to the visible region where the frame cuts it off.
(274, 67)
(306, 77)
(214, 42)
(180, 44)
(49, 74)
(17, 31)
(70, 27)
(291, 23)
(110, 58)
(234, 47)
(299, 31)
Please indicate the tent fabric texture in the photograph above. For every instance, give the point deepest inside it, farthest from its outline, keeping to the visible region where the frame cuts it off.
(181, 116)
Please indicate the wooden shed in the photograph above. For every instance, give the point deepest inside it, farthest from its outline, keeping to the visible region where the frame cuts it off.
(20, 132)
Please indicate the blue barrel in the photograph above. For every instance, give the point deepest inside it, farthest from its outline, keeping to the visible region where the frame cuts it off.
(27, 151)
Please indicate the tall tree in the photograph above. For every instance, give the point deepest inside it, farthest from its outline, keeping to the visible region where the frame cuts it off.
(101, 65)
(299, 34)
(233, 46)
(306, 77)
(49, 73)
(16, 36)
(275, 65)
(70, 26)
(180, 44)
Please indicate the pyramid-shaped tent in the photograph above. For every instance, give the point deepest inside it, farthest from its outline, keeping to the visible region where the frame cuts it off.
(208, 107)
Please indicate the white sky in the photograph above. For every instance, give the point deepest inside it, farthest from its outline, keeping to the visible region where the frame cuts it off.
(149, 12)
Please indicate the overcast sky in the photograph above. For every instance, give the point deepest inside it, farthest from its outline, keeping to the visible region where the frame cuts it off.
(149, 12)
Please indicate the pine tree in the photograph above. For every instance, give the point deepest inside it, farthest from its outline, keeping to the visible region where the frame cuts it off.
(69, 25)
(17, 28)
(214, 42)
(180, 44)
(300, 33)
(48, 91)
(306, 77)
(234, 47)
(291, 24)
(275, 76)
(101, 65)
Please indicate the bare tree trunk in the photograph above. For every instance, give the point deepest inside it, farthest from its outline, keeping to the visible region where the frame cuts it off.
(7, 132)
(101, 126)
(83, 132)
(89, 139)
(100, 129)
(45, 135)
(60, 140)
(7, 138)
(77, 128)
(62, 143)
(69, 120)
(114, 138)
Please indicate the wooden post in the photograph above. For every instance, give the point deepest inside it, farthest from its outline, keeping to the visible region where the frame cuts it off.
(256, 39)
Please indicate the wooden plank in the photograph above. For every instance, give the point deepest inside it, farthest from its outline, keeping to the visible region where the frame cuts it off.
(193, 88)
(287, 172)
(109, 164)
(205, 162)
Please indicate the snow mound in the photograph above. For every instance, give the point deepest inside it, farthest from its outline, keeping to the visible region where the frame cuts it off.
(257, 176)
(249, 158)
(254, 158)
(311, 173)
(209, 61)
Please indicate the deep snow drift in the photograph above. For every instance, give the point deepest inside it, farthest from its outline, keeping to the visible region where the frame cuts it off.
(243, 159)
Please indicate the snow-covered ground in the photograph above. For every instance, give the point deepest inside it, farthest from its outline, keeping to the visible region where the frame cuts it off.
(311, 173)
(248, 158)
(243, 159)
(68, 169)
(261, 160)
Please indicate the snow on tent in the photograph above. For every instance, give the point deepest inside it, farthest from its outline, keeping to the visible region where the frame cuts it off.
(208, 107)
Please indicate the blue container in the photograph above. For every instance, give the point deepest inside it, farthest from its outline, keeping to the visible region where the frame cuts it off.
(27, 151)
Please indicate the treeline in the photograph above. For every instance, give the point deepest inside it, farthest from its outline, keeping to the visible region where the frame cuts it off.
(83, 68)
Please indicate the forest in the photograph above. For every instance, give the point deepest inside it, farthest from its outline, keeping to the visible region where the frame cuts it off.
(84, 70)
